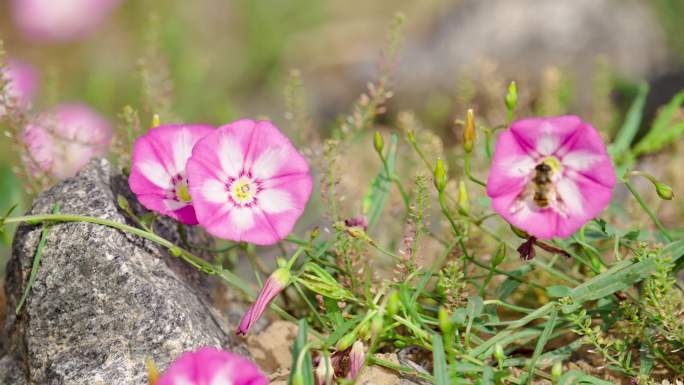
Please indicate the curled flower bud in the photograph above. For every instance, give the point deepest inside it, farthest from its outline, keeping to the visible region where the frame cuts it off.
(274, 285)
(469, 133)
(378, 143)
(357, 357)
(324, 371)
(440, 176)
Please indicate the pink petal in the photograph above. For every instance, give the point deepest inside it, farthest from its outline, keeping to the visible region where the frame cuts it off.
(543, 224)
(159, 156)
(544, 136)
(511, 166)
(586, 154)
(594, 197)
(211, 366)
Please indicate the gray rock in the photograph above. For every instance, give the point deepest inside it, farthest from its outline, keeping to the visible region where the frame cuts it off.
(104, 301)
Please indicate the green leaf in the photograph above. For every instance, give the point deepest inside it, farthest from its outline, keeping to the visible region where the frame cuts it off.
(664, 130)
(376, 196)
(558, 291)
(541, 342)
(618, 278)
(440, 371)
(576, 377)
(304, 369)
(316, 279)
(38, 256)
(630, 127)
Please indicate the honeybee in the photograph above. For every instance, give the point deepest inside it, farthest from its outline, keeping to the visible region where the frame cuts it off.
(543, 187)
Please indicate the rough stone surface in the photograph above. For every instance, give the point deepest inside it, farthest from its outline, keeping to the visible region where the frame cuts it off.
(104, 301)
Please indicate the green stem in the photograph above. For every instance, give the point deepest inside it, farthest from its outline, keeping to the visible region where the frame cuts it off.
(648, 211)
(466, 166)
(228, 276)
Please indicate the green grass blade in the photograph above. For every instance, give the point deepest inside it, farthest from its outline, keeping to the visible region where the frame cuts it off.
(440, 371)
(303, 369)
(664, 130)
(630, 127)
(541, 342)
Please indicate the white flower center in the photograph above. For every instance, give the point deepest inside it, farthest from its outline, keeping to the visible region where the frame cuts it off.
(179, 192)
(244, 190)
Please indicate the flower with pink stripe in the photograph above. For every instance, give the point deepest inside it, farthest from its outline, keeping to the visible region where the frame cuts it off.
(549, 176)
(158, 176)
(211, 366)
(248, 182)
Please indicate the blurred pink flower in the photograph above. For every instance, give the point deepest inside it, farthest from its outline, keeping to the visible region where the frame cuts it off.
(550, 176)
(60, 20)
(248, 182)
(62, 141)
(211, 366)
(158, 177)
(274, 285)
(22, 83)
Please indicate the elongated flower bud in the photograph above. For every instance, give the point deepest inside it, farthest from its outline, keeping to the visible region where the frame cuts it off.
(463, 202)
(556, 371)
(469, 133)
(664, 191)
(378, 143)
(274, 285)
(357, 357)
(500, 255)
(152, 373)
(393, 302)
(440, 176)
(511, 98)
(346, 341)
(444, 321)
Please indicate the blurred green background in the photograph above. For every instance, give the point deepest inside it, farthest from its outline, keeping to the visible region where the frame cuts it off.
(213, 61)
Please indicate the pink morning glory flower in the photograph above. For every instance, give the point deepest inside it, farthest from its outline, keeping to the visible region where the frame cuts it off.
(211, 366)
(248, 182)
(158, 175)
(22, 83)
(60, 20)
(550, 176)
(274, 285)
(60, 142)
